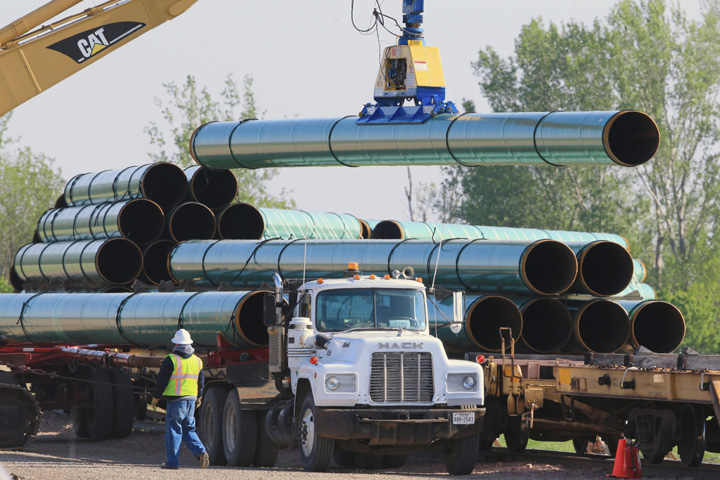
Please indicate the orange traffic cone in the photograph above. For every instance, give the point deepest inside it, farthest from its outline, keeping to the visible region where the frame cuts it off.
(627, 461)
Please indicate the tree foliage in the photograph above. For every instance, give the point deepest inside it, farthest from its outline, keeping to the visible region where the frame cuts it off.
(644, 56)
(29, 185)
(190, 105)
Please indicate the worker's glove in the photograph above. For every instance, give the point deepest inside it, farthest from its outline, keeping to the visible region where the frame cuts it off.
(154, 402)
(198, 402)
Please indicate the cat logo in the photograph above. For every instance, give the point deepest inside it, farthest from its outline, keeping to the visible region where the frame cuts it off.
(89, 43)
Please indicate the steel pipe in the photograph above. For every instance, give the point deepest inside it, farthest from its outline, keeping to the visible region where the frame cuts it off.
(547, 325)
(656, 325)
(401, 230)
(599, 325)
(163, 183)
(140, 220)
(626, 138)
(484, 316)
(155, 265)
(116, 261)
(190, 221)
(213, 188)
(141, 319)
(604, 268)
(242, 221)
(367, 226)
(639, 271)
(544, 267)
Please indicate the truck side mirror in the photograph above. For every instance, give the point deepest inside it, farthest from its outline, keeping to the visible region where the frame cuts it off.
(269, 311)
(458, 311)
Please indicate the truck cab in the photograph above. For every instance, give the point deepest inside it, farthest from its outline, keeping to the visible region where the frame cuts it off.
(368, 379)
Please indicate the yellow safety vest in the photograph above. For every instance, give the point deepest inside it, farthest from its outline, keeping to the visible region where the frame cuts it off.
(184, 379)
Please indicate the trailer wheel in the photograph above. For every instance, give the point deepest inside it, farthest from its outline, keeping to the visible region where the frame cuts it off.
(8, 378)
(239, 432)
(95, 423)
(580, 444)
(267, 451)
(343, 458)
(211, 422)
(315, 451)
(461, 458)
(691, 445)
(393, 461)
(19, 414)
(124, 414)
(517, 434)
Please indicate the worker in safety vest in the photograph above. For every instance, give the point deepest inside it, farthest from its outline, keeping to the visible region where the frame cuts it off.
(181, 381)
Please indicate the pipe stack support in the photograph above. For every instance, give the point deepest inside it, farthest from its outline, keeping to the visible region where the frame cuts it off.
(627, 138)
(242, 221)
(164, 183)
(140, 319)
(544, 267)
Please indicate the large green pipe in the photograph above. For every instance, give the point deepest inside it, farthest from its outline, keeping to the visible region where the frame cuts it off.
(625, 138)
(141, 319)
(401, 230)
(163, 183)
(604, 268)
(213, 188)
(656, 325)
(155, 262)
(543, 267)
(547, 325)
(116, 261)
(242, 221)
(484, 316)
(599, 325)
(639, 271)
(140, 220)
(190, 221)
(636, 290)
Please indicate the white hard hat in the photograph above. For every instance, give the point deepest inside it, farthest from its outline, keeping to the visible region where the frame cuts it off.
(182, 337)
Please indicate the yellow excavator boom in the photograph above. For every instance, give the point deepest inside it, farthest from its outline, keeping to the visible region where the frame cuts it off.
(31, 61)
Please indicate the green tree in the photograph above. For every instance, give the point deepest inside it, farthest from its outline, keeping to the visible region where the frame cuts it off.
(643, 56)
(189, 106)
(29, 185)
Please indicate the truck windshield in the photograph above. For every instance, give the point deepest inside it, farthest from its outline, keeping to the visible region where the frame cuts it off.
(344, 309)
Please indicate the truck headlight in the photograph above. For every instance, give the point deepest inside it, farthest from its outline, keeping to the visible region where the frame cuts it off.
(462, 382)
(341, 383)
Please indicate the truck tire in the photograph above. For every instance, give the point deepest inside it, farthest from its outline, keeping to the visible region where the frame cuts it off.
(19, 414)
(124, 414)
(95, 423)
(267, 451)
(8, 378)
(461, 458)
(517, 434)
(211, 422)
(315, 451)
(239, 432)
(393, 461)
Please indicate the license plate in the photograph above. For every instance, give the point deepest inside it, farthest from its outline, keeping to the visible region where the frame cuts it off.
(464, 418)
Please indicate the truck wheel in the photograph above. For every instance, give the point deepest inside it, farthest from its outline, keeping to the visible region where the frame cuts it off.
(19, 415)
(315, 451)
(517, 434)
(239, 432)
(393, 461)
(124, 414)
(211, 422)
(267, 451)
(8, 378)
(95, 423)
(461, 458)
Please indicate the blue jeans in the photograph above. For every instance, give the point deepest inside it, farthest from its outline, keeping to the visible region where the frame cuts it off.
(179, 426)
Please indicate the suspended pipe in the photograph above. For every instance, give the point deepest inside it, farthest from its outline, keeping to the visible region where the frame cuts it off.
(141, 319)
(547, 325)
(155, 265)
(190, 221)
(140, 220)
(164, 183)
(626, 138)
(604, 268)
(656, 325)
(116, 261)
(242, 221)
(212, 188)
(484, 316)
(545, 267)
(401, 230)
(599, 326)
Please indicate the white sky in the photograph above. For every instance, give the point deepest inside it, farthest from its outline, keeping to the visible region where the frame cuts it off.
(307, 61)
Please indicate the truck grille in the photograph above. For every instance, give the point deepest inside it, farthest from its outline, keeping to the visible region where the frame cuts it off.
(400, 377)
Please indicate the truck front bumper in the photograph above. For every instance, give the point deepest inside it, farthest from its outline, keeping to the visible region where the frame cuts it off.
(395, 426)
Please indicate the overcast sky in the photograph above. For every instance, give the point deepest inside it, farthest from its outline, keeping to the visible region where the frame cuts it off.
(307, 61)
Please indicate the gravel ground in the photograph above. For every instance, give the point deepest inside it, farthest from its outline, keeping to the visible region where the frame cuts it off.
(56, 454)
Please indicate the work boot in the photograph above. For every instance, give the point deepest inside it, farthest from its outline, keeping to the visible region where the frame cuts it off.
(204, 460)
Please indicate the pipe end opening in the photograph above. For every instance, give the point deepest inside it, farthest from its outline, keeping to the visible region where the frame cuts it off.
(241, 221)
(549, 267)
(119, 261)
(632, 138)
(658, 326)
(603, 327)
(486, 316)
(388, 230)
(606, 269)
(165, 184)
(547, 325)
